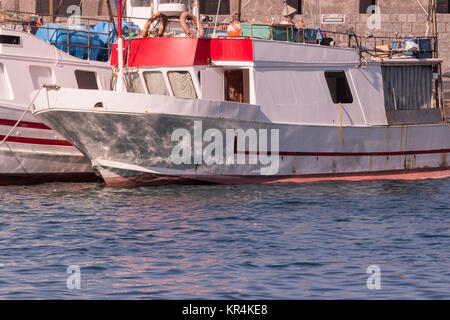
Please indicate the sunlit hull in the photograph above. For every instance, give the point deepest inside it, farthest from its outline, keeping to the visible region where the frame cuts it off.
(135, 148)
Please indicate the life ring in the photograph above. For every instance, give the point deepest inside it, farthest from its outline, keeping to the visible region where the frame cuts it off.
(148, 24)
(183, 20)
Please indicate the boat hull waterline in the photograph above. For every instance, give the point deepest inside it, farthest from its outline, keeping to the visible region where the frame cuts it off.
(135, 148)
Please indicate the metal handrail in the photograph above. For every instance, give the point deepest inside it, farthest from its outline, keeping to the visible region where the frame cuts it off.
(28, 25)
(371, 45)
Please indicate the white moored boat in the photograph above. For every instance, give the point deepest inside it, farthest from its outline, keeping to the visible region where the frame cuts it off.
(30, 151)
(236, 110)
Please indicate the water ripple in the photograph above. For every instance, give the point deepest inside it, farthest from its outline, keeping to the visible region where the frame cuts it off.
(226, 242)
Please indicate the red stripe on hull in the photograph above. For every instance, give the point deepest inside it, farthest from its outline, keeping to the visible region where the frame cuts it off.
(347, 154)
(36, 141)
(24, 124)
(156, 180)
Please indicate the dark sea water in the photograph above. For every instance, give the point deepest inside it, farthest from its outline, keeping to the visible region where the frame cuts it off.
(286, 241)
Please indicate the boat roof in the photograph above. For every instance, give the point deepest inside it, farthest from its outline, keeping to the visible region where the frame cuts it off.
(182, 51)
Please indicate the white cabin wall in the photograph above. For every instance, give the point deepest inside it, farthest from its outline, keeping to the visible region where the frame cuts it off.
(212, 84)
(289, 53)
(368, 82)
(301, 95)
(27, 65)
(291, 87)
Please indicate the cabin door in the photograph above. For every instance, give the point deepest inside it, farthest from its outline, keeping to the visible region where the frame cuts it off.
(212, 82)
(234, 85)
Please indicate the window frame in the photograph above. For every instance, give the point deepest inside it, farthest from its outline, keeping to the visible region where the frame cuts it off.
(441, 6)
(166, 82)
(341, 74)
(192, 81)
(6, 39)
(224, 4)
(367, 3)
(8, 94)
(298, 6)
(144, 87)
(90, 72)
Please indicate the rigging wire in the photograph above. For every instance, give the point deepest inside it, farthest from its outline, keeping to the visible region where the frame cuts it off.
(217, 18)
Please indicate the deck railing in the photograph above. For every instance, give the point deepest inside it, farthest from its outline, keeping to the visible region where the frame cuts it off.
(370, 46)
(21, 21)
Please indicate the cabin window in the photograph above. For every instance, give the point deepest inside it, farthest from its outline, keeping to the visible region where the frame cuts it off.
(338, 86)
(235, 86)
(295, 4)
(63, 9)
(365, 4)
(86, 80)
(182, 85)
(141, 3)
(407, 87)
(210, 7)
(155, 83)
(40, 76)
(5, 39)
(5, 88)
(134, 83)
(443, 6)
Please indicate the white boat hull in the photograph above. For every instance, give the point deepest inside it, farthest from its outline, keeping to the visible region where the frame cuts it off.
(135, 148)
(34, 153)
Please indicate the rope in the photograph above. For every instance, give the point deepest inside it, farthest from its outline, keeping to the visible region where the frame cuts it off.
(21, 117)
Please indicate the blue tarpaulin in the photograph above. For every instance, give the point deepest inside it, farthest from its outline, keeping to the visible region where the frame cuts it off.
(98, 38)
(77, 37)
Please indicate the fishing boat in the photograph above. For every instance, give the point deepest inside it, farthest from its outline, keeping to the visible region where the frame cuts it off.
(266, 106)
(31, 55)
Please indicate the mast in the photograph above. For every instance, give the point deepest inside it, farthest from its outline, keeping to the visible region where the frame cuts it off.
(435, 30)
(50, 9)
(111, 16)
(120, 78)
(196, 9)
(437, 68)
(238, 10)
(155, 5)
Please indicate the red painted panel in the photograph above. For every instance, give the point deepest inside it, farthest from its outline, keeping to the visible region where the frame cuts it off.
(161, 52)
(177, 52)
(232, 49)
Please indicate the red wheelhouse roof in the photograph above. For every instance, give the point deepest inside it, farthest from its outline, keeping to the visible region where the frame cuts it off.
(176, 52)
